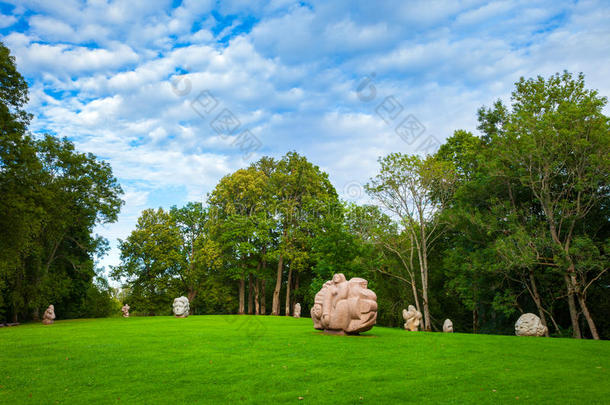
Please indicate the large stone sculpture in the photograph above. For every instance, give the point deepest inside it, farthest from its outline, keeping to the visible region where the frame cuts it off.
(181, 307)
(448, 326)
(49, 315)
(297, 310)
(125, 310)
(412, 318)
(344, 307)
(529, 325)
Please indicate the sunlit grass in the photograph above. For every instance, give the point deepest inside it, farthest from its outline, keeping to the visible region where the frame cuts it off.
(228, 359)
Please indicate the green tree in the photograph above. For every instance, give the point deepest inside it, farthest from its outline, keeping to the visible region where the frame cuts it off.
(415, 190)
(13, 97)
(236, 205)
(52, 198)
(302, 195)
(555, 140)
(151, 262)
(201, 255)
(21, 216)
(492, 255)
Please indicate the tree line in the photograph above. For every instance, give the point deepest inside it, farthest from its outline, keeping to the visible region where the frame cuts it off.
(52, 196)
(513, 219)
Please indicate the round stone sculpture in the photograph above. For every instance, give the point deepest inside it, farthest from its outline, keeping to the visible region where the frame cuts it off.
(49, 315)
(529, 325)
(125, 310)
(448, 326)
(181, 307)
(297, 310)
(412, 318)
(344, 307)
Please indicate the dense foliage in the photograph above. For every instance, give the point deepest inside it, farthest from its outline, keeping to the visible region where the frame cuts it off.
(52, 197)
(491, 226)
(514, 220)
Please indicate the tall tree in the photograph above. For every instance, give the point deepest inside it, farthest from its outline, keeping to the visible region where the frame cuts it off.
(151, 261)
(20, 174)
(555, 140)
(13, 97)
(235, 205)
(377, 229)
(302, 195)
(200, 253)
(415, 190)
(52, 198)
(495, 255)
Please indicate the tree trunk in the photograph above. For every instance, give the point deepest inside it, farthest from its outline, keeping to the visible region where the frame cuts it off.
(581, 299)
(408, 268)
(426, 309)
(475, 320)
(256, 298)
(242, 292)
(295, 291)
(538, 301)
(568, 276)
(275, 306)
(573, 312)
(250, 295)
(191, 294)
(415, 295)
(587, 315)
(263, 306)
(424, 287)
(411, 275)
(422, 253)
(287, 313)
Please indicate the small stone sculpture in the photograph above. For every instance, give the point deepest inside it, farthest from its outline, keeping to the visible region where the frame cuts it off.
(297, 310)
(181, 307)
(49, 315)
(529, 325)
(343, 306)
(125, 310)
(448, 326)
(412, 318)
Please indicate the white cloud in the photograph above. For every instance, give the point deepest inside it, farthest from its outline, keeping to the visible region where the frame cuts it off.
(51, 29)
(485, 12)
(100, 73)
(7, 20)
(66, 60)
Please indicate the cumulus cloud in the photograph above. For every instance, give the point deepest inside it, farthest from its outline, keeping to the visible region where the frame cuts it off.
(7, 20)
(120, 79)
(65, 60)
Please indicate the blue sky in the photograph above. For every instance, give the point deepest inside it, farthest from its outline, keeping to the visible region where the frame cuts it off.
(342, 82)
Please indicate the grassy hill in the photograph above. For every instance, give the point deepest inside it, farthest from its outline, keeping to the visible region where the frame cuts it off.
(233, 359)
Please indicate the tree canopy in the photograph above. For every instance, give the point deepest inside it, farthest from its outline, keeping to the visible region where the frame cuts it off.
(52, 198)
(513, 220)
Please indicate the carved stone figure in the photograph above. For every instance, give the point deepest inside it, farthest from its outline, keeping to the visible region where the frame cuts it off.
(181, 307)
(49, 315)
(343, 306)
(529, 325)
(297, 310)
(412, 318)
(448, 326)
(125, 310)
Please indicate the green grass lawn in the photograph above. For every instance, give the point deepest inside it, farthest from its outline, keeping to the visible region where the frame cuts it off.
(233, 359)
